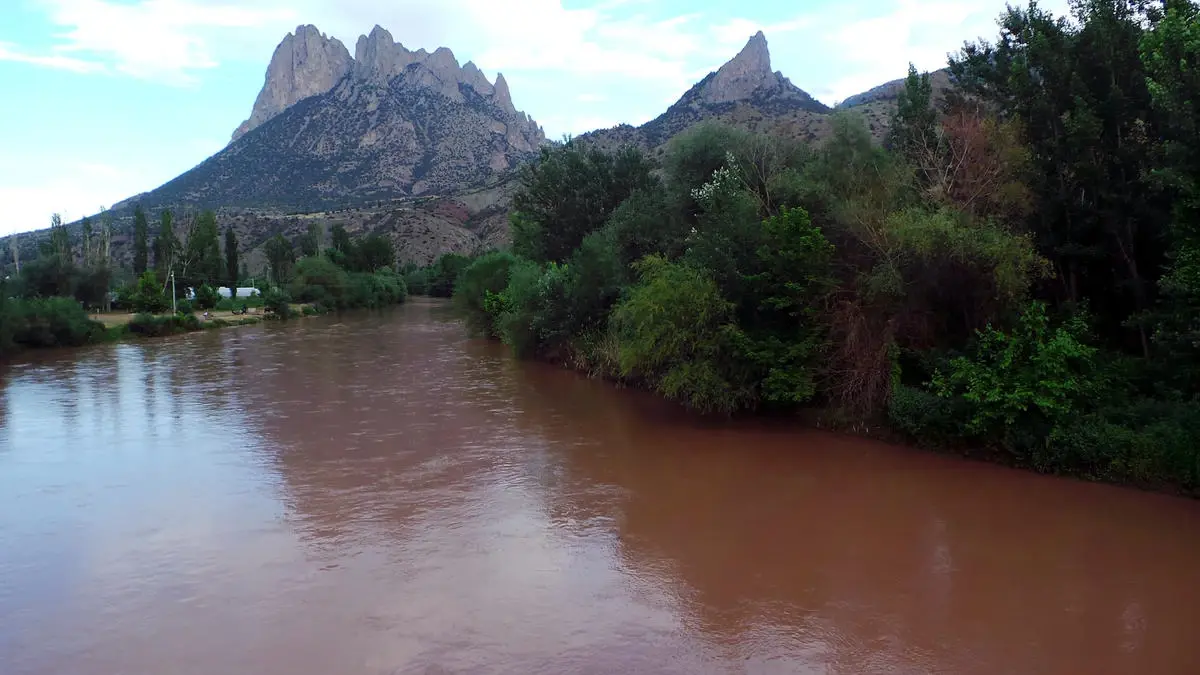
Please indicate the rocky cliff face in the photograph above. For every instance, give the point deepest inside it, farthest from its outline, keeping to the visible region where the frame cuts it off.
(305, 64)
(329, 130)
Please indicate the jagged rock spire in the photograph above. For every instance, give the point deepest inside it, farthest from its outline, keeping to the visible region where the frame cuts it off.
(305, 63)
(743, 74)
(308, 64)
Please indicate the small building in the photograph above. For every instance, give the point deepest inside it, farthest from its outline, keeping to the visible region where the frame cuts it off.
(242, 292)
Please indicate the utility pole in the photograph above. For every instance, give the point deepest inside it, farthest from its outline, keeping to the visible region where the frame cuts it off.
(174, 308)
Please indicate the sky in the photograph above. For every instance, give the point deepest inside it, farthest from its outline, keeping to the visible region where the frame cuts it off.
(104, 99)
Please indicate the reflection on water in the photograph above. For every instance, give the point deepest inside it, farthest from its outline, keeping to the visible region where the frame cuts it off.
(379, 494)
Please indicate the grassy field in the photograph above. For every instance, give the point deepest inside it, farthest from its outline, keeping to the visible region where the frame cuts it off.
(112, 319)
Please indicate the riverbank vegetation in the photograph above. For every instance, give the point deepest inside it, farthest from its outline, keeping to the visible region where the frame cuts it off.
(52, 299)
(1016, 269)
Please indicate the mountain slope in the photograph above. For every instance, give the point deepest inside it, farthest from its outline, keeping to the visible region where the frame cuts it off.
(745, 93)
(395, 123)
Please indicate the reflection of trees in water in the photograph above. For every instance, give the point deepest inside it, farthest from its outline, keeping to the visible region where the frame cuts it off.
(870, 556)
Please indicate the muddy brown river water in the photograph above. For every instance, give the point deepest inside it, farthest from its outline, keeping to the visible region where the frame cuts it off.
(380, 494)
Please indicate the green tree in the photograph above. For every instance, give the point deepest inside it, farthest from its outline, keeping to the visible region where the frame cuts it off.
(674, 329)
(569, 193)
(310, 243)
(200, 262)
(1171, 54)
(231, 259)
(141, 243)
(54, 272)
(280, 258)
(340, 239)
(1080, 92)
(166, 245)
(318, 280)
(1022, 385)
(914, 123)
(444, 273)
(371, 253)
(478, 284)
(149, 296)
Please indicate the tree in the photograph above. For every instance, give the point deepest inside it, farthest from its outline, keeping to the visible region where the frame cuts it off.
(340, 239)
(14, 244)
(149, 296)
(1171, 54)
(914, 124)
(373, 252)
(54, 272)
(569, 193)
(674, 330)
(975, 163)
(89, 239)
(166, 246)
(1080, 93)
(140, 241)
(310, 243)
(60, 241)
(201, 259)
(280, 257)
(231, 259)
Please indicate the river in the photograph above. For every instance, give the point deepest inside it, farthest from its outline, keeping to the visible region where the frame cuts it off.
(381, 494)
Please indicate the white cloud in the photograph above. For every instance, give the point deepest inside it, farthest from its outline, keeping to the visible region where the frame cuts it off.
(877, 48)
(9, 52)
(72, 190)
(160, 40)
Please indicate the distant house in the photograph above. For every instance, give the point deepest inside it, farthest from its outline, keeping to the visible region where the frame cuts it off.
(242, 291)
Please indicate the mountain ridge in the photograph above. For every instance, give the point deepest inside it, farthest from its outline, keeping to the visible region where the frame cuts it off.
(413, 145)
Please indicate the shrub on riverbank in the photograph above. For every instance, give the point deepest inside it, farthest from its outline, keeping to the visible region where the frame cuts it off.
(149, 325)
(48, 322)
(321, 282)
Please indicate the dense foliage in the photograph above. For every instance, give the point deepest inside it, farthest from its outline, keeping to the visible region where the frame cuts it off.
(350, 274)
(1016, 267)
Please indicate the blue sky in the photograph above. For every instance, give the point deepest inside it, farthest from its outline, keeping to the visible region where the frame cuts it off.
(107, 98)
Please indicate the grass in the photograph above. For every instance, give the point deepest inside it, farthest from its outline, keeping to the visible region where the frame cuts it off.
(221, 318)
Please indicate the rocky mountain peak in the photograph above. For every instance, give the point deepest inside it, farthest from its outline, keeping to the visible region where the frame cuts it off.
(501, 97)
(379, 58)
(305, 63)
(745, 73)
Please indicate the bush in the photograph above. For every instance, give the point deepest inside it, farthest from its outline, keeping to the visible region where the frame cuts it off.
(1147, 442)
(372, 291)
(486, 277)
(924, 416)
(183, 307)
(673, 330)
(417, 281)
(278, 302)
(149, 297)
(207, 297)
(49, 322)
(444, 273)
(517, 309)
(1021, 386)
(148, 325)
(318, 280)
(595, 280)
